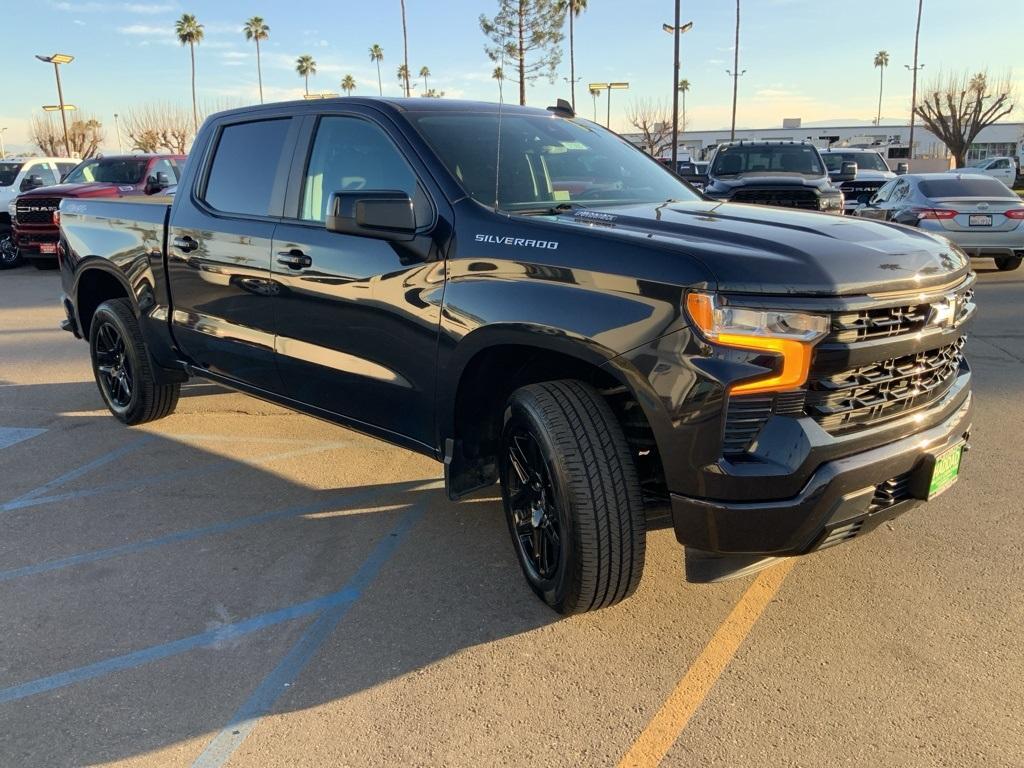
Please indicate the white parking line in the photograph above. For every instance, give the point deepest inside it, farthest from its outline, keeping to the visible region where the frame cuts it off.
(11, 435)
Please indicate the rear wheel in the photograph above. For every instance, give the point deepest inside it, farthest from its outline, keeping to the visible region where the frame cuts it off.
(572, 498)
(9, 256)
(122, 367)
(1008, 263)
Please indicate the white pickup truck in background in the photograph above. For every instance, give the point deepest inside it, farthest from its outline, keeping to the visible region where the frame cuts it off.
(1002, 168)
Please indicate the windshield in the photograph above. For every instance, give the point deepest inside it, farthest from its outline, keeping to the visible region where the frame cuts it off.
(868, 161)
(977, 163)
(545, 162)
(8, 173)
(767, 158)
(112, 170)
(969, 187)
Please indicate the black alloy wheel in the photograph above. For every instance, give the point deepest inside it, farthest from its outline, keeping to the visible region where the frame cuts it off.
(9, 255)
(537, 529)
(113, 366)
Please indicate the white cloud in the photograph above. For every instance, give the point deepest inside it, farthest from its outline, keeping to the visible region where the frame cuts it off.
(144, 30)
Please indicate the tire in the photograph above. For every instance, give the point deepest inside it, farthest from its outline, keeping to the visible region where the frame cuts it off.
(566, 468)
(9, 256)
(123, 369)
(45, 264)
(1008, 263)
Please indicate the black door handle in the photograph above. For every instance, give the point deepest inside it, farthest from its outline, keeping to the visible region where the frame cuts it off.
(294, 259)
(185, 244)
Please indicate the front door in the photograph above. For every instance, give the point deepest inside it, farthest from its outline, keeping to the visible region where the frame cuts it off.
(357, 317)
(219, 250)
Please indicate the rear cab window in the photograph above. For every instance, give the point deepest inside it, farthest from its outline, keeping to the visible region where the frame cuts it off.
(244, 169)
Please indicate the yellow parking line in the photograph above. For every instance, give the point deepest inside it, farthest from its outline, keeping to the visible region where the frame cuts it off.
(668, 723)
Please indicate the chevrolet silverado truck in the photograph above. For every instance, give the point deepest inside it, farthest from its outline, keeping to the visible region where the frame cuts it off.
(790, 174)
(527, 298)
(33, 213)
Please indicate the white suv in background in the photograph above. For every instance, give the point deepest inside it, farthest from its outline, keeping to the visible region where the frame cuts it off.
(20, 174)
(1002, 168)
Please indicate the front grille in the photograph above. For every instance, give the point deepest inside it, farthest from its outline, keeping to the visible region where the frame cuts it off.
(37, 210)
(785, 198)
(877, 392)
(878, 322)
(856, 188)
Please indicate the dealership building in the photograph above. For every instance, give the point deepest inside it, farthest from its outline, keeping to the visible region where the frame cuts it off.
(1001, 139)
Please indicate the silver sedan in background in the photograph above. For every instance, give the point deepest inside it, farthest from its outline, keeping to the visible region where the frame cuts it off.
(978, 213)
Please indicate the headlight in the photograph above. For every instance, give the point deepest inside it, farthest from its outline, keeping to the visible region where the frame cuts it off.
(832, 203)
(12, 209)
(791, 335)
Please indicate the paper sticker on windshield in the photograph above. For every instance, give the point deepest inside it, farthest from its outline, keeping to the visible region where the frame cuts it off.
(574, 145)
(560, 194)
(599, 216)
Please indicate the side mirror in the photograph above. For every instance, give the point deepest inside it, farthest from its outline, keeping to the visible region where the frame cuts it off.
(157, 183)
(385, 215)
(847, 171)
(31, 182)
(902, 168)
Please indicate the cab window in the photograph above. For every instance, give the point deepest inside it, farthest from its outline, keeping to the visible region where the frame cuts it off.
(351, 155)
(244, 169)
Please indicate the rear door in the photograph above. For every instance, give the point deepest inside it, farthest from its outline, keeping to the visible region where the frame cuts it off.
(219, 250)
(358, 316)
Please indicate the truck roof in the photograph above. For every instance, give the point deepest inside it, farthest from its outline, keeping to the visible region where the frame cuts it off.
(415, 104)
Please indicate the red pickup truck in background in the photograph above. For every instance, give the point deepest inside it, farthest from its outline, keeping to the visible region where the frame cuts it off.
(35, 222)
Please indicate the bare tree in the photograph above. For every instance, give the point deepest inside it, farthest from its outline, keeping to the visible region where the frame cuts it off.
(654, 122)
(159, 127)
(527, 34)
(85, 134)
(957, 107)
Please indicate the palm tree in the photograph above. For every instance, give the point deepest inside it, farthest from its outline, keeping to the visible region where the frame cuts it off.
(377, 55)
(881, 61)
(425, 73)
(595, 92)
(684, 86)
(348, 84)
(190, 33)
(405, 46)
(255, 29)
(573, 8)
(305, 66)
(403, 77)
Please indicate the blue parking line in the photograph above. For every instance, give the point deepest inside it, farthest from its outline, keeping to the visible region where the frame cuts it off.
(350, 499)
(13, 435)
(27, 500)
(85, 469)
(262, 700)
(348, 594)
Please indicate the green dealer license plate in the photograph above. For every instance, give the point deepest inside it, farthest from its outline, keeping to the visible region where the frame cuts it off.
(947, 467)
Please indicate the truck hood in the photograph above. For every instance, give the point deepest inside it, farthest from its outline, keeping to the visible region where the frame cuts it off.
(758, 249)
(88, 189)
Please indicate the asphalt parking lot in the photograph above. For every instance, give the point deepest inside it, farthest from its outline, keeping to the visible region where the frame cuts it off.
(240, 585)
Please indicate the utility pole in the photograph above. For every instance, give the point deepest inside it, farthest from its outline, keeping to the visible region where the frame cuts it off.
(57, 59)
(913, 94)
(676, 31)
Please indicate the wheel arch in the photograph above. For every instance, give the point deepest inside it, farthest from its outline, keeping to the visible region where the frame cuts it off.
(492, 362)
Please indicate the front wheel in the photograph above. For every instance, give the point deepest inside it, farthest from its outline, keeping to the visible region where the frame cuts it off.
(123, 369)
(572, 497)
(1008, 263)
(9, 255)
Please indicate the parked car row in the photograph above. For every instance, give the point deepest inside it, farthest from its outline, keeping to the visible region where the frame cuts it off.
(32, 196)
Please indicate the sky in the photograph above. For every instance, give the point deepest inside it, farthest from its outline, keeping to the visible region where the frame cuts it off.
(803, 58)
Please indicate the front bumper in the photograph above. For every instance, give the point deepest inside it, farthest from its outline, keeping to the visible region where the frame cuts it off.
(839, 502)
(31, 241)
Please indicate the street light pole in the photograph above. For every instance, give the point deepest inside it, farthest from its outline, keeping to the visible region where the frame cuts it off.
(117, 130)
(57, 59)
(735, 84)
(913, 93)
(676, 31)
(3, 152)
(736, 70)
(596, 88)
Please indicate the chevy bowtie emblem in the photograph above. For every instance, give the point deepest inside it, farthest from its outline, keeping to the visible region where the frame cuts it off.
(944, 312)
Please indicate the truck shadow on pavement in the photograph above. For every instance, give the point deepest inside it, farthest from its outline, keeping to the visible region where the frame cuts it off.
(147, 600)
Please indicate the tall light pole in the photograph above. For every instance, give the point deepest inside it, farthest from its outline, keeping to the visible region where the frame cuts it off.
(117, 130)
(596, 88)
(913, 94)
(676, 31)
(57, 59)
(736, 74)
(3, 152)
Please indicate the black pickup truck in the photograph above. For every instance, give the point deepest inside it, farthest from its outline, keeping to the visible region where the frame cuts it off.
(525, 297)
